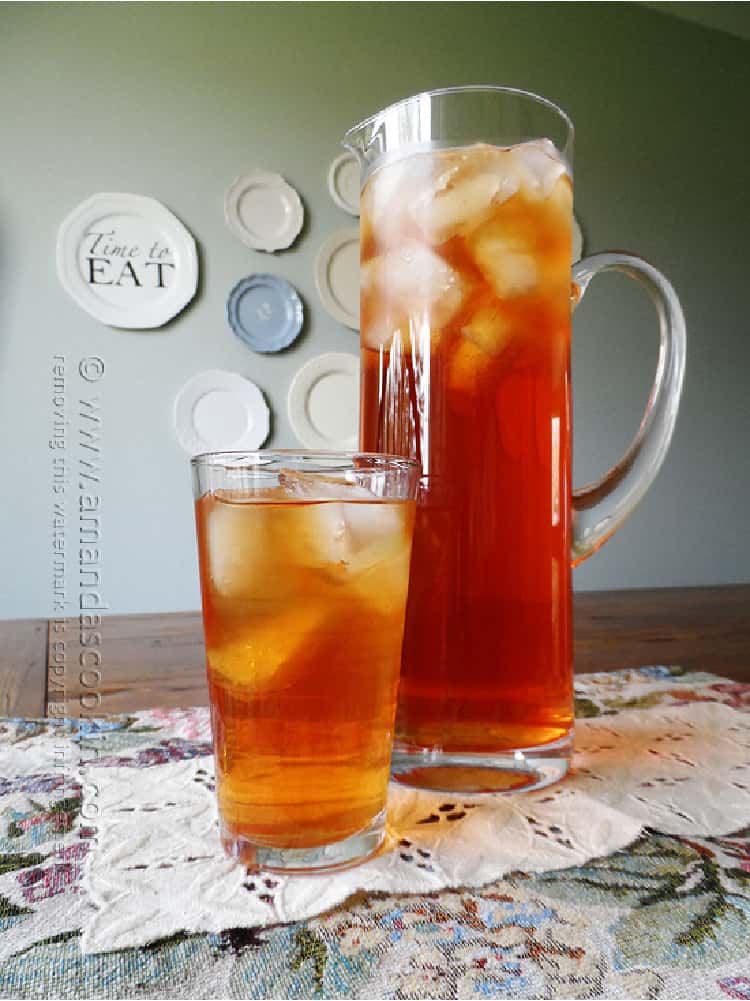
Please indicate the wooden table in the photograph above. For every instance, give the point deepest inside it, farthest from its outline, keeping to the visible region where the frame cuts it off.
(143, 661)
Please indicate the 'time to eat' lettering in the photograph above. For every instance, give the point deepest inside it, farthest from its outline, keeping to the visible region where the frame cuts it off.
(113, 263)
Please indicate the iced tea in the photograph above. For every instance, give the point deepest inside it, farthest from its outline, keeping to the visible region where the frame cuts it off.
(466, 257)
(303, 607)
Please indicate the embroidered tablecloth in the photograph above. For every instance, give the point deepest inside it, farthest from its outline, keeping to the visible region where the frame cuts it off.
(667, 914)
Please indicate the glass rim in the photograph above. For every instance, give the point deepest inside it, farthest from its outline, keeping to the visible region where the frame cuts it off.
(382, 459)
(467, 88)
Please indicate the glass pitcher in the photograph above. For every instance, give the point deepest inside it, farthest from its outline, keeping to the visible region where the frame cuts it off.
(466, 296)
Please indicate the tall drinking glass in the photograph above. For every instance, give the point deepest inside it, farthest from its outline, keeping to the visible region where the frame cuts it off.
(304, 565)
(466, 218)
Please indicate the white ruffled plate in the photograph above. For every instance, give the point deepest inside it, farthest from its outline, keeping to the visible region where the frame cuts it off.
(217, 410)
(264, 211)
(323, 402)
(337, 276)
(127, 260)
(344, 182)
(577, 241)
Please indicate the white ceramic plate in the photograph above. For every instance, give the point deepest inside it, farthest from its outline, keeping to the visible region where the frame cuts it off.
(337, 276)
(263, 211)
(127, 260)
(577, 241)
(218, 410)
(323, 402)
(344, 182)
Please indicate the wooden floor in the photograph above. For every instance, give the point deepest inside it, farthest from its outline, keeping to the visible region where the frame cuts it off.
(158, 660)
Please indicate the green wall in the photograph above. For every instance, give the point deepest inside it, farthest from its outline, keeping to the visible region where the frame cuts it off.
(173, 100)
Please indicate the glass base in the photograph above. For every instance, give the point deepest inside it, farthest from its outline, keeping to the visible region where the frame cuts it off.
(516, 770)
(298, 861)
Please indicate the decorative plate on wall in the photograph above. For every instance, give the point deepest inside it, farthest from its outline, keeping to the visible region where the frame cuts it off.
(323, 402)
(127, 260)
(265, 312)
(264, 211)
(577, 241)
(343, 182)
(218, 410)
(337, 276)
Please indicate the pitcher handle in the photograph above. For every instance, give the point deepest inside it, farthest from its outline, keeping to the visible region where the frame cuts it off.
(601, 507)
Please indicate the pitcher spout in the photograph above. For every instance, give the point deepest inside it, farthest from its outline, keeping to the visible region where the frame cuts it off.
(357, 140)
(404, 124)
(354, 141)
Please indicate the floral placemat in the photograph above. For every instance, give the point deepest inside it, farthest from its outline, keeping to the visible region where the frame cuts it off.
(666, 916)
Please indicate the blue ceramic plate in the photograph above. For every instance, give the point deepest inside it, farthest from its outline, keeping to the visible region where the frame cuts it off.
(265, 312)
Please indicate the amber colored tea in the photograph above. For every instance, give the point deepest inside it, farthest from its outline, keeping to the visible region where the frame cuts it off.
(303, 606)
(466, 258)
